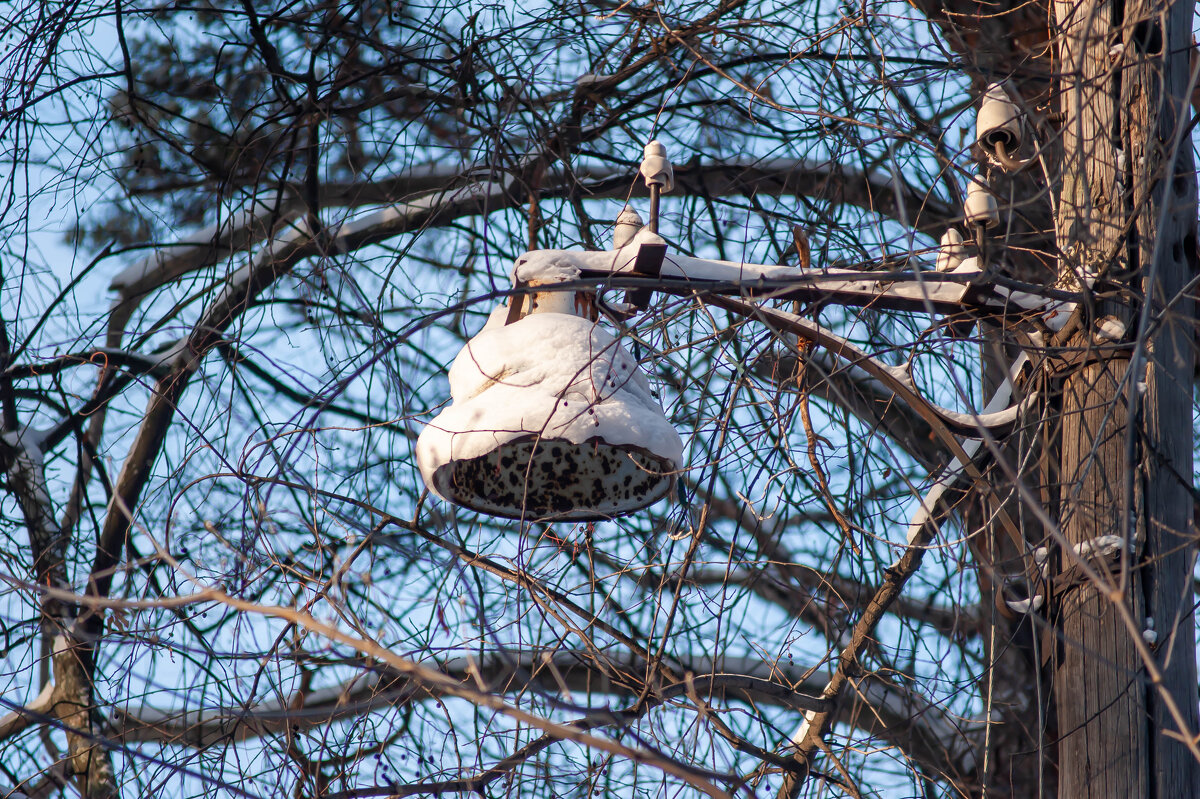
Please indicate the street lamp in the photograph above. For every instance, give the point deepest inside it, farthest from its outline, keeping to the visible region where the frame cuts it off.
(552, 420)
(551, 417)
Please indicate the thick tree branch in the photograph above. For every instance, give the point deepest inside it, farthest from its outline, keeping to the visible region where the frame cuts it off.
(879, 709)
(434, 194)
(72, 697)
(850, 388)
(949, 621)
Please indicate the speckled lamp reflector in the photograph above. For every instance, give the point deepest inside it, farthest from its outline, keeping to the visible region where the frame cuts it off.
(553, 479)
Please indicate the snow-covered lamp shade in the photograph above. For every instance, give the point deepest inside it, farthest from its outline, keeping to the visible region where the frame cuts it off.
(551, 419)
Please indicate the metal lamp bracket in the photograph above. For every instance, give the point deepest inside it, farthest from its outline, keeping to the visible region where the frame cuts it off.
(648, 263)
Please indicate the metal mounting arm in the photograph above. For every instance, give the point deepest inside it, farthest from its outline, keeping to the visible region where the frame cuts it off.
(965, 290)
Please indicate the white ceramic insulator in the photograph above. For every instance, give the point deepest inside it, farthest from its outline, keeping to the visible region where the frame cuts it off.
(998, 121)
(656, 169)
(629, 222)
(981, 208)
(951, 252)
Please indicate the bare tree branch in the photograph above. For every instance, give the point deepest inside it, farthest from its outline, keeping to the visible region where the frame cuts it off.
(881, 710)
(432, 195)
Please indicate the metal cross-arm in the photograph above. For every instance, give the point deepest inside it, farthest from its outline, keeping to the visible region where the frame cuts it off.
(968, 289)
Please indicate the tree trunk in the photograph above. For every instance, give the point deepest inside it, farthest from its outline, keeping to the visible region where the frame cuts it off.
(75, 706)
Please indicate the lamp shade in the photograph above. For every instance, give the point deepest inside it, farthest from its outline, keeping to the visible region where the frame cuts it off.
(550, 420)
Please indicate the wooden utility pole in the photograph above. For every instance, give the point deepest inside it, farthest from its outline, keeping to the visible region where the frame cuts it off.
(1125, 677)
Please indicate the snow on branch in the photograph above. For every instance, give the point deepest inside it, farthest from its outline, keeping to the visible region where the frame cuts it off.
(956, 469)
(23, 456)
(202, 248)
(435, 194)
(20, 719)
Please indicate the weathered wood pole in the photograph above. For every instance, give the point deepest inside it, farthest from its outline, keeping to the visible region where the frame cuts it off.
(1126, 219)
